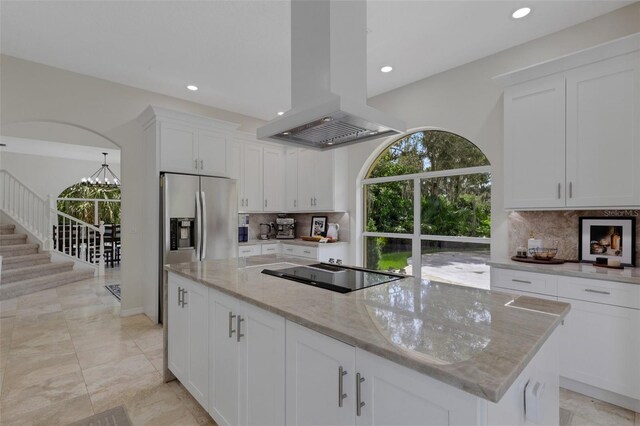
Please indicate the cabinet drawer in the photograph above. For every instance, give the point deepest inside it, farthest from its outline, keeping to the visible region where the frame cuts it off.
(524, 281)
(246, 251)
(607, 292)
(270, 248)
(300, 251)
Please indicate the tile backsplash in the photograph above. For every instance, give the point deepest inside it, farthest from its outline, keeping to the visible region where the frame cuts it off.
(303, 223)
(561, 226)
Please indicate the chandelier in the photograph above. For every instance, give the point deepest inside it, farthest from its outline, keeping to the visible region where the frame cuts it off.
(103, 176)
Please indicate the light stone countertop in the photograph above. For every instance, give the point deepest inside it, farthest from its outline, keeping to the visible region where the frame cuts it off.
(475, 340)
(296, 241)
(572, 269)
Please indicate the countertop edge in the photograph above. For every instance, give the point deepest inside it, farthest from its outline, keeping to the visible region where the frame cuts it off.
(449, 378)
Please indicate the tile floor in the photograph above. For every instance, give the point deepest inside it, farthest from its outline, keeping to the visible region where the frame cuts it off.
(66, 354)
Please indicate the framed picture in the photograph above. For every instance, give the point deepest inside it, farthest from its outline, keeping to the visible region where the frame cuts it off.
(613, 238)
(319, 226)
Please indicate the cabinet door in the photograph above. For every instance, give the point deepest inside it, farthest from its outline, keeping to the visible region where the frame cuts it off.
(601, 347)
(197, 306)
(237, 172)
(534, 144)
(306, 178)
(176, 329)
(223, 358)
(178, 148)
(603, 133)
(312, 379)
(252, 177)
(291, 179)
(323, 177)
(212, 153)
(273, 182)
(395, 395)
(261, 367)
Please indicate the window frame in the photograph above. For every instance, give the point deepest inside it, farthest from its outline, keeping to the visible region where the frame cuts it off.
(416, 237)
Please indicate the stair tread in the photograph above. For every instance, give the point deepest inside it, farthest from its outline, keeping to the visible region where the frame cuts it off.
(13, 236)
(52, 277)
(7, 226)
(24, 258)
(43, 267)
(19, 246)
(20, 288)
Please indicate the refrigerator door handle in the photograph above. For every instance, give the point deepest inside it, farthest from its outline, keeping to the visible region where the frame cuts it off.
(198, 225)
(203, 220)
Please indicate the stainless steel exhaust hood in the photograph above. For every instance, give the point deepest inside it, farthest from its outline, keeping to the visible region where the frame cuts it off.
(329, 79)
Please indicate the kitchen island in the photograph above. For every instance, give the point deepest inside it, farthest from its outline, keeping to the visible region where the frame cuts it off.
(244, 343)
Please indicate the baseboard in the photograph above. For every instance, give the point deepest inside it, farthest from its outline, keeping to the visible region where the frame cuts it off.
(131, 312)
(601, 394)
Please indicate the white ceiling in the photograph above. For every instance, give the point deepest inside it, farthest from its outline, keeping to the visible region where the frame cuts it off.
(238, 52)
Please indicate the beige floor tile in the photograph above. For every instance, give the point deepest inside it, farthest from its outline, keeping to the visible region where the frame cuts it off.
(108, 354)
(89, 311)
(75, 289)
(156, 357)
(109, 300)
(99, 339)
(199, 413)
(637, 419)
(39, 309)
(41, 298)
(22, 400)
(1, 380)
(60, 413)
(159, 406)
(590, 411)
(119, 392)
(148, 340)
(115, 372)
(101, 323)
(27, 370)
(78, 301)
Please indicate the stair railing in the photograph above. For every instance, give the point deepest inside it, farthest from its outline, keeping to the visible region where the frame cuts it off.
(56, 230)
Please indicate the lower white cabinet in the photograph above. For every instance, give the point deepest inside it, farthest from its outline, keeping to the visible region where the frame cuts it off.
(601, 347)
(247, 363)
(332, 383)
(249, 250)
(188, 331)
(321, 252)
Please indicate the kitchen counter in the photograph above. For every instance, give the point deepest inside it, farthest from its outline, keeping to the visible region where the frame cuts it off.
(296, 241)
(475, 340)
(570, 269)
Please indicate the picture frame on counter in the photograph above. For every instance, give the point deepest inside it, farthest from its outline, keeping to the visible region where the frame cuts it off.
(613, 238)
(319, 226)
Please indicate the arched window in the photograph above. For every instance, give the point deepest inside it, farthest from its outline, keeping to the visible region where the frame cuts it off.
(91, 203)
(428, 197)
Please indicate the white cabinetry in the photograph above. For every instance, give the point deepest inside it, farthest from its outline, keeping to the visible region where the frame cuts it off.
(317, 178)
(188, 332)
(213, 153)
(572, 137)
(249, 250)
(321, 252)
(600, 344)
(247, 346)
(274, 172)
(248, 160)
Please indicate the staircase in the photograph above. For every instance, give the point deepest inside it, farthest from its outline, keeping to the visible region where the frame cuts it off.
(25, 270)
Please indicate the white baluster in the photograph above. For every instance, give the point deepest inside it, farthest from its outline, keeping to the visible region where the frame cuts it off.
(101, 265)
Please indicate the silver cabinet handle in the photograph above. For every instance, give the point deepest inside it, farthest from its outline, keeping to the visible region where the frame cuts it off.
(359, 402)
(231, 330)
(521, 281)
(184, 292)
(179, 296)
(247, 205)
(295, 203)
(195, 164)
(311, 200)
(201, 164)
(265, 202)
(307, 251)
(341, 394)
(315, 201)
(559, 187)
(238, 326)
(570, 189)
(596, 291)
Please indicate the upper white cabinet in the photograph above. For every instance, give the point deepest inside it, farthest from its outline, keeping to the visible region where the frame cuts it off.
(186, 143)
(273, 173)
(316, 180)
(248, 171)
(572, 137)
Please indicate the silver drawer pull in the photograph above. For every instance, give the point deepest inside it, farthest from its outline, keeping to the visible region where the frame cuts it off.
(231, 330)
(520, 281)
(341, 395)
(307, 251)
(359, 402)
(239, 321)
(596, 291)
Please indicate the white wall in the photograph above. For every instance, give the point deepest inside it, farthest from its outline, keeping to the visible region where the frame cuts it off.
(50, 175)
(33, 93)
(466, 101)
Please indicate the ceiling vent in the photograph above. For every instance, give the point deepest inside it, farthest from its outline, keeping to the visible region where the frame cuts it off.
(329, 79)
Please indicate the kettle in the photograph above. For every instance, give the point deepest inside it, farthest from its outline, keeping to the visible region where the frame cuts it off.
(332, 231)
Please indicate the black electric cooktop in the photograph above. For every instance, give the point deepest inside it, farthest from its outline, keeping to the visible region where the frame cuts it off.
(340, 278)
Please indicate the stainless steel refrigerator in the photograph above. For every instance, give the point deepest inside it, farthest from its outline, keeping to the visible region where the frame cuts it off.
(198, 221)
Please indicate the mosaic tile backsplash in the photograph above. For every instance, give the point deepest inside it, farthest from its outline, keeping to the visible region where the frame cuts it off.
(559, 225)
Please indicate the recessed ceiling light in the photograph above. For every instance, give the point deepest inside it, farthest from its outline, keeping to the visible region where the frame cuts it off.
(280, 112)
(521, 13)
(386, 68)
(192, 87)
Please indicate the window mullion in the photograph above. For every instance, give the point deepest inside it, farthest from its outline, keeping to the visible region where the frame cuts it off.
(416, 254)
